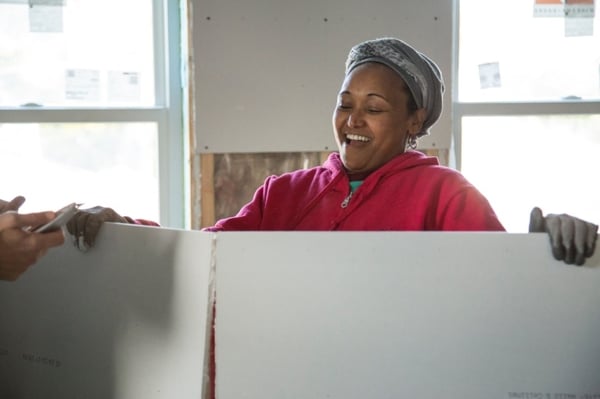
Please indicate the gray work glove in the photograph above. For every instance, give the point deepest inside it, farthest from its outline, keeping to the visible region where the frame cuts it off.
(86, 223)
(572, 239)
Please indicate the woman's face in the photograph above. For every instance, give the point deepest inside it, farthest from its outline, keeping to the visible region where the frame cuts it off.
(371, 120)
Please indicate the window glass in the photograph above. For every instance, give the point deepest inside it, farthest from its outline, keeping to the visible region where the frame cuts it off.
(519, 162)
(76, 53)
(508, 51)
(109, 164)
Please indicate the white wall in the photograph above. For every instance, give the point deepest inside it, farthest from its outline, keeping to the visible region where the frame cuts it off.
(404, 315)
(125, 320)
(302, 315)
(267, 73)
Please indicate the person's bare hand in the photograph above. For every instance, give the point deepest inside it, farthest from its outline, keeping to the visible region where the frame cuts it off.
(86, 224)
(573, 240)
(19, 248)
(12, 205)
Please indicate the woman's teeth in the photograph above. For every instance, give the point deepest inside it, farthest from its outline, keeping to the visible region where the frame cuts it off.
(356, 137)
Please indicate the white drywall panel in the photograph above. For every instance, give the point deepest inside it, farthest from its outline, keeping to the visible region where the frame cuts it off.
(404, 315)
(126, 319)
(267, 74)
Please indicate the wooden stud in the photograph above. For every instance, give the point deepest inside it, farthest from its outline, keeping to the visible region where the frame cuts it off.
(207, 190)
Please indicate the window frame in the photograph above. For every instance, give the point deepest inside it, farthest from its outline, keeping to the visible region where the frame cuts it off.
(168, 113)
(459, 110)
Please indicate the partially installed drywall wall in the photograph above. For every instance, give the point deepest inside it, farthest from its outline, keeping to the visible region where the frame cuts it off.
(127, 319)
(302, 314)
(267, 74)
(404, 315)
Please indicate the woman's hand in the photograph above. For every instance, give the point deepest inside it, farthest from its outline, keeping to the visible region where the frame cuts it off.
(13, 205)
(572, 239)
(86, 224)
(20, 248)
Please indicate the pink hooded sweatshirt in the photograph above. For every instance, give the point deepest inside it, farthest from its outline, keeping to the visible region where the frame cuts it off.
(412, 192)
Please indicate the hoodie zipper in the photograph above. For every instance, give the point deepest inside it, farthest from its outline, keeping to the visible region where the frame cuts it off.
(346, 200)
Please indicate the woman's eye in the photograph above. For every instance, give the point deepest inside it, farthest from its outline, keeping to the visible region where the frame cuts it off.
(374, 110)
(344, 106)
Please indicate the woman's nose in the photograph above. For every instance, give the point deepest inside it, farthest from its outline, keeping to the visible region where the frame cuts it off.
(355, 119)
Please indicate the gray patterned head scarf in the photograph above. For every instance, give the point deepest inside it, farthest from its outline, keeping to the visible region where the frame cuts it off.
(421, 74)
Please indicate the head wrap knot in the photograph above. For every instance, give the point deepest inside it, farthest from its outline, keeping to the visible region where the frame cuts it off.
(422, 76)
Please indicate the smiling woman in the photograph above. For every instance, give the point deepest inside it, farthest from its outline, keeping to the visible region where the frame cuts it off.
(392, 94)
(375, 183)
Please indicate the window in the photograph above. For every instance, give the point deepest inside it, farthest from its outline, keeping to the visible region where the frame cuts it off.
(527, 109)
(91, 106)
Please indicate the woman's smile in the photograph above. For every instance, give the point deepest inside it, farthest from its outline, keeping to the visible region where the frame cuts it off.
(356, 138)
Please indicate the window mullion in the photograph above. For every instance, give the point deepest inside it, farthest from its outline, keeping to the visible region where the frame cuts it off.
(527, 108)
(54, 115)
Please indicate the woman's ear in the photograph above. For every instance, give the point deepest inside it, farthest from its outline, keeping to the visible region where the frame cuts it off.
(417, 120)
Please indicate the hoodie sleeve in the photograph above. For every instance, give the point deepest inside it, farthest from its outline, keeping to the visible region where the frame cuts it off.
(468, 210)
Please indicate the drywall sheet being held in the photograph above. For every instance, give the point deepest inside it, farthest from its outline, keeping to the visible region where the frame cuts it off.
(404, 315)
(126, 319)
(267, 74)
